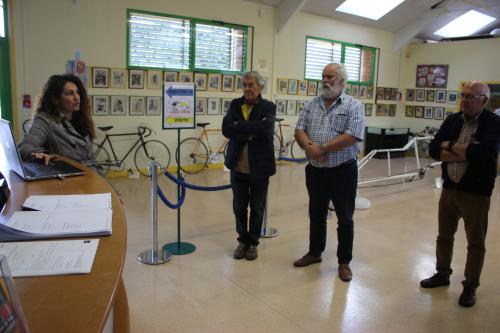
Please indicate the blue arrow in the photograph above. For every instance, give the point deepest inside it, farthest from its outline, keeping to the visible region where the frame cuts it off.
(178, 92)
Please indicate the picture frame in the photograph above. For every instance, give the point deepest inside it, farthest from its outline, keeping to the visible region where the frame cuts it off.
(410, 111)
(200, 80)
(226, 103)
(169, 76)
(118, 78)
(137, 105)
(227, 83)
(302, 88)
(419, 111)
(154, 79)
(387, 110)
(439, 113)
(136, 79)
(213, 106)
(380, 93)
(201, 105)
(291, 107)
(440, 96)
(301, 104)
(431, 76)
(368, 109)
(185, 76)
(369, 93)
(428, 112)
(362, 92)
(282, 86)
(312, 87)
(392, 110)
(100, 77)
(100, 105)
(410, 95)
(214, 82)
(153, 106)
(293, 86)
(319, 90)
(354, 90)
(394, 94)
(348, 89)
(452, 97)
(264, 90)
(387, 93)
(118, 105)
(420, 95)
(281, 106)
(238, 84)
(430, 95)
(379, 110)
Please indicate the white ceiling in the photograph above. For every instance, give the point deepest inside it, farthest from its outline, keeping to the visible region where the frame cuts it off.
(407, 12)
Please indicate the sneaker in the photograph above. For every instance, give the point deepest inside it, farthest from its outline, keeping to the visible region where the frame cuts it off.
(240, 252)
(306, 260)
(345, 273)
(468, 297)
(437, 280)
(251, 253)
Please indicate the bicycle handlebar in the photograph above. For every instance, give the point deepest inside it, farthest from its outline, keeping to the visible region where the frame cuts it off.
(144, 131)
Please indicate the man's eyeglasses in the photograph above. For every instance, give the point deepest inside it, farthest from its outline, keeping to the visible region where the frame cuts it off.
(468, 96)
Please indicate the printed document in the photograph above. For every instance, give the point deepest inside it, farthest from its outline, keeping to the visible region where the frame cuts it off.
(68, 202)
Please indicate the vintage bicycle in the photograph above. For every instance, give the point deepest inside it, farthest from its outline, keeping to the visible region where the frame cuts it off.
(282, 144)
(146, 152)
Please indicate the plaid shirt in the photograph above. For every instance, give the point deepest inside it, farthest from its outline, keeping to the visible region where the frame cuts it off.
(345, 115)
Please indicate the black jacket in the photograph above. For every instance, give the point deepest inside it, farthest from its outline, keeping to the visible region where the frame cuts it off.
(258, 132)
(480, 175)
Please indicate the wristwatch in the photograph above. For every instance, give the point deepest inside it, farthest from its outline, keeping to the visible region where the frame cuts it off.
(451, 143)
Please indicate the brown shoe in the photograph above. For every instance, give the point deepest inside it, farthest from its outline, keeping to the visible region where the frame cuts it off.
(306, 260)
(345, 273)
(240, 251)
(251, 253)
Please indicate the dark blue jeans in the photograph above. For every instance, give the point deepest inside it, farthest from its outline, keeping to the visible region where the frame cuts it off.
(338, 185)
(248, 189)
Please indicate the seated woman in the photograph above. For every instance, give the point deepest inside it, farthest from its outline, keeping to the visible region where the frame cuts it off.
(62, 124)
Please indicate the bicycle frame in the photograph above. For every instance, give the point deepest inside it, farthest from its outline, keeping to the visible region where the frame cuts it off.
(107, 138)
(204, 137)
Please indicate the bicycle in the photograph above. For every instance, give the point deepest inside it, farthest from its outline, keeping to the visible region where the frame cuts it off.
(281, 146)
(146, 152)
(201, 151)
(423, 145)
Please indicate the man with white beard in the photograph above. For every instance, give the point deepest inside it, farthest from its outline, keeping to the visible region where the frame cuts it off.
(329, 129)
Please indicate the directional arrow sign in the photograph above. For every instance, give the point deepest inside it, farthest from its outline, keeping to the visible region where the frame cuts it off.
(179, 92)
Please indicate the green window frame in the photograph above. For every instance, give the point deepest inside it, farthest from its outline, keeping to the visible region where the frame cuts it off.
(171, 42)
(358, 59)
(5, 82)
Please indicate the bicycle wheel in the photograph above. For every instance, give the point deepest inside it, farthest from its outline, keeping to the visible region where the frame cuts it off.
(296, 151)
(101, 156)
(151, 151)
(194, 155)
(277, 146)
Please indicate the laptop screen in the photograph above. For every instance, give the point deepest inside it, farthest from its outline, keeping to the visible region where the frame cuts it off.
(10, 158)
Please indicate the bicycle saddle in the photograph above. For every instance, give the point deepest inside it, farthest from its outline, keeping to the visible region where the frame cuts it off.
(105, 128)
(202, 124)
(278, 119)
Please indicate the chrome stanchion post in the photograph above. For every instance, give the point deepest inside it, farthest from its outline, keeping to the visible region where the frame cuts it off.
(154, 256)
(265, 231)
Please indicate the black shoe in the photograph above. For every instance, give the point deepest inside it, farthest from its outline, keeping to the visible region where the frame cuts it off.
(251, 253)
(468, 297)
(437, 280)
(240, 251)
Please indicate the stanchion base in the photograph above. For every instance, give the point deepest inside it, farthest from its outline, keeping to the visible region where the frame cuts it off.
(151, 257)
(269, 232)
(179, 248)
(362, 203)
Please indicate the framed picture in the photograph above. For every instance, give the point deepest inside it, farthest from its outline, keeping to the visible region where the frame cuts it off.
(439, 113)
(153, 106)
(300, 106)
(392, 110)
(154, 79)
(368, 109)
(185, 76)
(380, 110)
(387, 94)
(431, 76)
(264, 90)
(452, 97)
(428, 112)
(100, 105)
(440, 96)
(319, 91)
(410, 95)
(118, 78)
(100, 77)
(293, 86)
(201, 105)
(136, 79)
(137, 105)
(226, 102)
(238, 84)
(227, 83)
(348, 89)
(213, 106)
(200, 80)
(283, 86)
(302, 88)
(410, 111)
(119, 105)
(213, 82)
(280, 106)
(312, 87)
(362, 92)
(380, 93)
(291, 107)
(430, 95)
(394, 94)
(419, 111)
(420, 95)
(387, 110)
(170, 76)
(355, 90)
(369, 92)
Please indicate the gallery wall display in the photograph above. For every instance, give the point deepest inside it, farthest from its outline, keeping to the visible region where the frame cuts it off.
(431, 76)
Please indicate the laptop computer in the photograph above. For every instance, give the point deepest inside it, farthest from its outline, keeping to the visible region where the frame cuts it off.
(11, 160)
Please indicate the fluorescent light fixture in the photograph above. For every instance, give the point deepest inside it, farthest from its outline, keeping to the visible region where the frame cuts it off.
(465, 25)
(372, 9)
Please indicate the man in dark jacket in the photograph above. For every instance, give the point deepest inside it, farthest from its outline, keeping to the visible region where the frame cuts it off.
(249, 126)
(467, 143)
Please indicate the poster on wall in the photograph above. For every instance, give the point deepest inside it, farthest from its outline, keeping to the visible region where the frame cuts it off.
(432, 76)
(178, 105)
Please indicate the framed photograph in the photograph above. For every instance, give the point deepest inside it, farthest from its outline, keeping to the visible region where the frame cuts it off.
(440, 96)
(153, 106)
(119, 105)
(380, 93)
(136, 79)
(368, 109)
(281, 106)
(452, 97)
(185, 76)
(369, 92)
(392, 110)
(118, 78)
(291, 107)
(387, 94)
(387, 110)
(227, 83)
(201, 105)
(213, 106)
(264, 90)
(137, 105)
(419, 111)
(226, 103)
(410, 111)
(420, 95)
(312, 87)
(170, 76)
(283, 86)
(362, 92)
(380, 110)
(410, 95)
(213, 82)
(100, 77)
(348, 89)
(355, 90)
(300, 106)
(439, 113)
(394, 94)
(154, 79)
(302, 88)
(428, 112)
(431, 76)
(238, 84)
(430, 95)
(200, 80)
(100, 105)
(293, 86)
(319, 91)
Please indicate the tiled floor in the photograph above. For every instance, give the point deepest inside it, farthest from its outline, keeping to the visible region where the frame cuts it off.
(209, 291)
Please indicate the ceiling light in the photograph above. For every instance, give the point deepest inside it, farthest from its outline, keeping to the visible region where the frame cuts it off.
(373, 9)
(465, 25)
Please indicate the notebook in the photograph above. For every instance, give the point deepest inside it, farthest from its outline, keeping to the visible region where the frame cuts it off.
(11, 160)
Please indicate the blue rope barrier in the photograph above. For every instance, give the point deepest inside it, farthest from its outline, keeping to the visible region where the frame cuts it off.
(296, 160)
(168, 203)
(194, 187)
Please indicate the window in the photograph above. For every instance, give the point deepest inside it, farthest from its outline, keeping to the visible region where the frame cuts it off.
(359, 60)
(2, 23)
(160, 41)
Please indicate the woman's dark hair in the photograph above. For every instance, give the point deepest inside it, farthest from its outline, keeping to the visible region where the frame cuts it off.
(52, 91)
